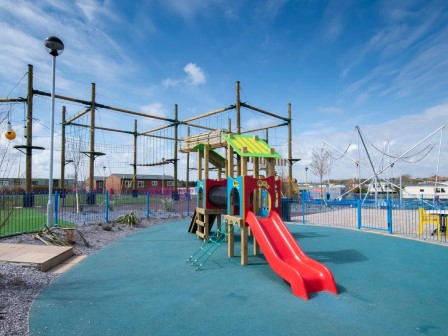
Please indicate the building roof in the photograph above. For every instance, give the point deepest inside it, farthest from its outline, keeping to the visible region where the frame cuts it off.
(145, 177)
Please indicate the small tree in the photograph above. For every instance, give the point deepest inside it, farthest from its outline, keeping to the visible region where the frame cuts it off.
(320, 165)
(76, 158)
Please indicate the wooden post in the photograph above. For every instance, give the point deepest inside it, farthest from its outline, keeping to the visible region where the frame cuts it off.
(29, 131)
(92, 140)
(290, 150)
(206, 161)
(176, 125)
(200, 156)
(271, 167)
(188, 166)
(229, 130)
(134, 175)
(62, 179)
(256, 200)
(238, 122)
(244, 253)
(238, 108)
(230, 163)
(230, 240)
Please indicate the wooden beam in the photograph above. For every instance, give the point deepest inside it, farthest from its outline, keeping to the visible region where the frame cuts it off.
(264, 112)
(158, 128)
(13, 100)
(80, 114)
(209, 113)
(265, 128)
(98, 105)
(198, 126)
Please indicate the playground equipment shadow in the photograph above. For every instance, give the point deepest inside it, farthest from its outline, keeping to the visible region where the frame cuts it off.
(142, 285)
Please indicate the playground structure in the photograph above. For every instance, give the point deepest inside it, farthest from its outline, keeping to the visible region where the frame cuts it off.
(239, 197)
(251, 203)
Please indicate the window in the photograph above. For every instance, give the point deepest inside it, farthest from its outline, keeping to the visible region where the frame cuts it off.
(140, 184)
(100, 184)
(127, 184)
(170, 183)
(34, 183)
(154, 183)
(422, 190)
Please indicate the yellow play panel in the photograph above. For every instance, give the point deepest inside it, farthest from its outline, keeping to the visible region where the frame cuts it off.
(43, 258)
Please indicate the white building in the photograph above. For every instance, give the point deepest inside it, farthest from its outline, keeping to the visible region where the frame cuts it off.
(427, 190)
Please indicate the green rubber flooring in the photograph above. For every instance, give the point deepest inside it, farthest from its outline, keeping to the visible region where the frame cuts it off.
(142, 285)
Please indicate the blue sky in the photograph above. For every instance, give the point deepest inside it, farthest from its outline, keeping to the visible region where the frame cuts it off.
(381, 65)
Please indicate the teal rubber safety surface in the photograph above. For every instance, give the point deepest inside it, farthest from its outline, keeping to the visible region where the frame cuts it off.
(142, 285)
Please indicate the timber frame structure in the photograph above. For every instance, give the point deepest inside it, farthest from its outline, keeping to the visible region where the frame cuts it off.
(91, 105)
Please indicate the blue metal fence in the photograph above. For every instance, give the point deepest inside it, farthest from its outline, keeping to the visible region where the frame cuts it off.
(390, 216)
(26, 213)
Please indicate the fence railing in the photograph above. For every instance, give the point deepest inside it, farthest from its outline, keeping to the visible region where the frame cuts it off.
(27, 213)
(399, 217)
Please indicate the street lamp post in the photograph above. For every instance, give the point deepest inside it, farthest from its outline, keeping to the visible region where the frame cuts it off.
(306, 178)
(55, 47)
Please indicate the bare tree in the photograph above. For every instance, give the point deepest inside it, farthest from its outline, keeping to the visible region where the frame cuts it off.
(320, 165)
(76, 157)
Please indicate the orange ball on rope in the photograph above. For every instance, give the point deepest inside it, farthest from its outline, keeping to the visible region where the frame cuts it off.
(10, 134)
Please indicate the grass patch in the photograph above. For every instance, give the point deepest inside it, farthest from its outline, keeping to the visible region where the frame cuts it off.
(23, 220)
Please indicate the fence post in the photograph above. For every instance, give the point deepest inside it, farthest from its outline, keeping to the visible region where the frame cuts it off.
(359, 206)
(303, 207)
(147, 204)
(389, 215)
(56, 208)
(106, 215)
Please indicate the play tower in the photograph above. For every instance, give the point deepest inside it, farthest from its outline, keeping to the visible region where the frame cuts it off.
(250, 202)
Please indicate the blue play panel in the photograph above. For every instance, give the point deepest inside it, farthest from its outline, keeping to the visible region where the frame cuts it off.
(142, 285)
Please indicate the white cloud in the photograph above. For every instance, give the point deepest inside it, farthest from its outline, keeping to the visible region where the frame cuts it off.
(94, 10)
(154, 109)
(194, 76)
(334, 19)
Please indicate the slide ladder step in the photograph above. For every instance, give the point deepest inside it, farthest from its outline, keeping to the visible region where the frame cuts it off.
(201, 256)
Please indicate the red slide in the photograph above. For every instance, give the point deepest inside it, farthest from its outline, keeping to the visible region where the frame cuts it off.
(305, 275)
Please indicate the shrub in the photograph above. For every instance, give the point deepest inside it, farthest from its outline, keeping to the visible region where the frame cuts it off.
(130, 219)
(168, 204)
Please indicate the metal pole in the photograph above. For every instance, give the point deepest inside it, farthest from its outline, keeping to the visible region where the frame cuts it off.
(438, 164)
(50, 180)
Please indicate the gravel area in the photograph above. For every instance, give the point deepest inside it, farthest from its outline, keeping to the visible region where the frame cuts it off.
(20, 285)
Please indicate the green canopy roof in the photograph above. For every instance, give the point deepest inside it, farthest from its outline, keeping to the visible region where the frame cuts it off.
(254, 147)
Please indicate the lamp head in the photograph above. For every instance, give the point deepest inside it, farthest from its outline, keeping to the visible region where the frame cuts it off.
(54, 45)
